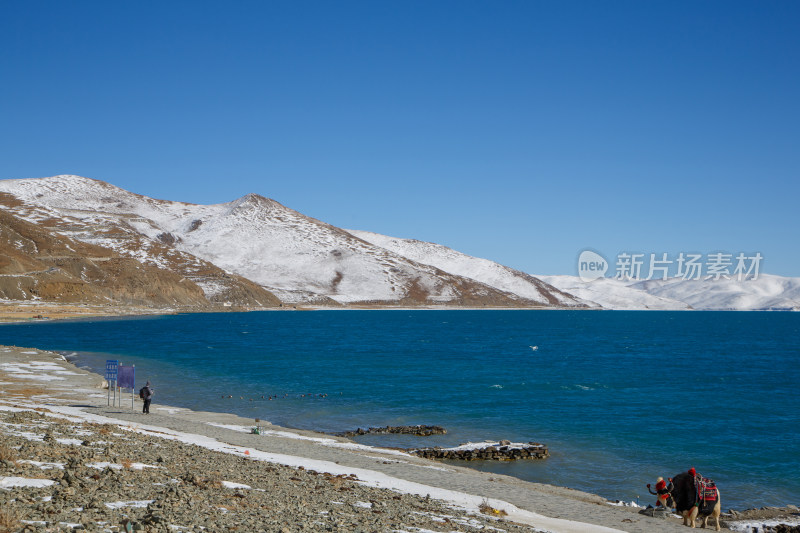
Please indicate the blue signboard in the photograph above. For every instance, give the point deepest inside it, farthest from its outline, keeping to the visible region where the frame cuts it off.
(126, 377)
(111, 369)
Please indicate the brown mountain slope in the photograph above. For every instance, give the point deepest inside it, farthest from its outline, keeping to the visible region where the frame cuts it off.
(37, 264)
(219, 286)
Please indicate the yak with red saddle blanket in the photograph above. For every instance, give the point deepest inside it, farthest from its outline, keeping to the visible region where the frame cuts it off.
(696, 497)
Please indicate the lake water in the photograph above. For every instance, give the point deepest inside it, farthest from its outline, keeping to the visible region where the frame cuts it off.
(619, 397)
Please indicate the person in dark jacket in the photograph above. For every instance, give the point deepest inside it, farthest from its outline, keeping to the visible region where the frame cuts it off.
(147, 393)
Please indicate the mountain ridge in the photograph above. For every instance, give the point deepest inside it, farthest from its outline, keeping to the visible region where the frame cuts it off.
(254, 253)
(299, 258)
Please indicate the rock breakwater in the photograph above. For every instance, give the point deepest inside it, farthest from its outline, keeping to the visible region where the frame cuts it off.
(486, 451)
(418, 430)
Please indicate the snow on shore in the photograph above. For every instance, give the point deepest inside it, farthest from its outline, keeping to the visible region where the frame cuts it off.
(324, 441)
(15, 481)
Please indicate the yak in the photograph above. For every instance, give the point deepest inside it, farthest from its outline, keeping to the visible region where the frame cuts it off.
(692, 501)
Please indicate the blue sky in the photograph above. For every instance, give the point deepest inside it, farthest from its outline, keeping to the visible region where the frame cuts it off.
(523, 132)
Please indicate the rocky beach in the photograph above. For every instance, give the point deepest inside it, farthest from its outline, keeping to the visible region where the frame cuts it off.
(69, 461)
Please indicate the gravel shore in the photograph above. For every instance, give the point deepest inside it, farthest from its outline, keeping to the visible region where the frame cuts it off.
(68, 460)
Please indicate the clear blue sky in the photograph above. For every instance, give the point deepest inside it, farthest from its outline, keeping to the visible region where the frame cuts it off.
(523, 132)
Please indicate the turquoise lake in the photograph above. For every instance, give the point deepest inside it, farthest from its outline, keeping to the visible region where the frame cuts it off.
(619, 397)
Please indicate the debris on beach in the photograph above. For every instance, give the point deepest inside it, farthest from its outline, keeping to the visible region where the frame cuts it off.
(485, 508)
(486, 451)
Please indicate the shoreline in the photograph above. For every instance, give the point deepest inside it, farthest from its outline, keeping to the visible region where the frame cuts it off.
(68, 391)
(34, 312)
(23, 312)
(534, 505)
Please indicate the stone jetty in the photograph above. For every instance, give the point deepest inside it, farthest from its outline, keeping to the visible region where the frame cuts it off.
(486, 451)
(418, 430)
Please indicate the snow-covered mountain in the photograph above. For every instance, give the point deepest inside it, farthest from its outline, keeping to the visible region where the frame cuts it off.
(483, 270)
(254, 252)
(768, 292)
(297, 258)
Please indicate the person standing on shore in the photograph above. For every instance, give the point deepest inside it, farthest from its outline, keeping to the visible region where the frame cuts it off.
(146, 394)
(664, 493)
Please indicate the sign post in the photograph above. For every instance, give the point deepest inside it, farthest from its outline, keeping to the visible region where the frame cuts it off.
(127, 380)
(111, 377)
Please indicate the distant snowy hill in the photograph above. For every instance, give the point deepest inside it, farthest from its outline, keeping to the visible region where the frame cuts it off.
(768, 292)
(612, 294)
(295, 257)
(483, 270)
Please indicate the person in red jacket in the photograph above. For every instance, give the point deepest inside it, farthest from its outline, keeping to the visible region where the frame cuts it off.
(663, 491)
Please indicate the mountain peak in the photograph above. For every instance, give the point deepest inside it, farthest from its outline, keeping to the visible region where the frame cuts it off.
(254, 198)
(253, 201)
